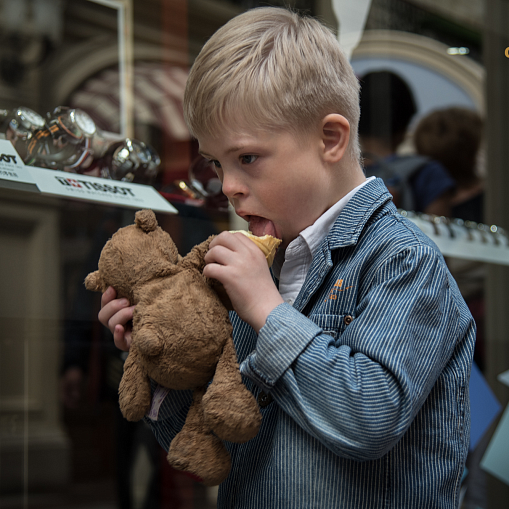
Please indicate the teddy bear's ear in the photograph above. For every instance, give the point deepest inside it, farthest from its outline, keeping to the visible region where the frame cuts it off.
(94, 282)
(146, 220)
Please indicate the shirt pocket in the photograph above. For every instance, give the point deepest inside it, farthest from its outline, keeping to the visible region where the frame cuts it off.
(332, 325)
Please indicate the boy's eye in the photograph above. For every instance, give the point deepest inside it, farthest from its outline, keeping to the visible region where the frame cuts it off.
(248, 159)
(217, 164)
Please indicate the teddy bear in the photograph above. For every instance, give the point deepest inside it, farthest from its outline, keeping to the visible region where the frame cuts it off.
(182, 340)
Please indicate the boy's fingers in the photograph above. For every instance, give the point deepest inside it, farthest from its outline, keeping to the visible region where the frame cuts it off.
(122, 338)
(108, 296)
(219, 254)
(111, 309)
(230, 240)
(244, 242)
(214, 271)
(227, 243)
(122, 317)
(220, 240)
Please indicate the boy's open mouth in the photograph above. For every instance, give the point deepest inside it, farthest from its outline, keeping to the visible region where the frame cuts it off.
(261, 226)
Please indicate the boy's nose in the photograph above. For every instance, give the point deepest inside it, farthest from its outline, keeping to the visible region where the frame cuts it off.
(233, 187)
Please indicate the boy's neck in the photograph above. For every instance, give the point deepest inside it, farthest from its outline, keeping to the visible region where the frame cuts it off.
(350, 175)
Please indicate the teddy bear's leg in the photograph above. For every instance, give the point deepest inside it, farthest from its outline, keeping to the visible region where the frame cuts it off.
(228, 407)
(197, 450)
(134, 390)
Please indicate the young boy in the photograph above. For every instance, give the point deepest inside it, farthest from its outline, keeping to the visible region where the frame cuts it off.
(359, 349)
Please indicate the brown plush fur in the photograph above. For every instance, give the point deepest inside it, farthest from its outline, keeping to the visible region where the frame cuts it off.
(182, 339)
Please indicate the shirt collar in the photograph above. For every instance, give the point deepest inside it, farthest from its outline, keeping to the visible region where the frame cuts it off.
(357, 212)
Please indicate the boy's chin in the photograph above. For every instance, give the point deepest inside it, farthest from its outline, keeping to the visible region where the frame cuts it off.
(261, 226)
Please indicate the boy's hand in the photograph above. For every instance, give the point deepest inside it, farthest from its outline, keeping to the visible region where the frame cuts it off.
(115, 315)
(241, 267)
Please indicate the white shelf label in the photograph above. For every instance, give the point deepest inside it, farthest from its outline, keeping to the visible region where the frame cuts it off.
(110, 192)
(72, 185)
(12, 166)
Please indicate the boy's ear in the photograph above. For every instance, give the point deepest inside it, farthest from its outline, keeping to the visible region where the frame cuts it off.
(335, 132)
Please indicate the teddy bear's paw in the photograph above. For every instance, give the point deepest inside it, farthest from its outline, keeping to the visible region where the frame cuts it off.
(201, 454)
(94, 282)
(231, 411)
(134, 406)
(134, 395)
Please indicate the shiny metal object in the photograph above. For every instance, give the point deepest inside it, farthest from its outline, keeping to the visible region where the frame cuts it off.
(131, 160)
(64, 142)
(19, 125)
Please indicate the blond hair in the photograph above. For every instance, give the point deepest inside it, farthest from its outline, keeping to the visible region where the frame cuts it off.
(271, 68)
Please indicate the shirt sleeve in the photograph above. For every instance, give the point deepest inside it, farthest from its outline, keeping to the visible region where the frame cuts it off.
(358, 392)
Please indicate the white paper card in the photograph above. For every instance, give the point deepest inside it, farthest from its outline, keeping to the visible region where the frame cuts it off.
(496, 458)
(504, 377)
(12, 166)
(111, 192)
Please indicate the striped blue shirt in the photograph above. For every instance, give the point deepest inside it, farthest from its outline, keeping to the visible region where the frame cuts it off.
(367, 374)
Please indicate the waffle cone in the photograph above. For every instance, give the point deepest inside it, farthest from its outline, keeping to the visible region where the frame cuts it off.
(268, 244)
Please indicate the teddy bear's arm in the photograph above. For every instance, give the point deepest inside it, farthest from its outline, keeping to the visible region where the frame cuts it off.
(134, 390)
(195, 259)
(94, 282)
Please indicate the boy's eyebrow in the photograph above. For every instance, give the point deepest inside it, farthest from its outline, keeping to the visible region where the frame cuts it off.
(235, 148)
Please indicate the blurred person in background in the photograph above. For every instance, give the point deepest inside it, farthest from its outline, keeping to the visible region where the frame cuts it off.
(416, 182)
(453, 137)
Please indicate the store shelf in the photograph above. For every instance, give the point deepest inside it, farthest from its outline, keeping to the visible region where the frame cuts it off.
(15, 175)
(464, 239)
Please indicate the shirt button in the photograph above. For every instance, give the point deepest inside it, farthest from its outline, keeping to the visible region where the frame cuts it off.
(348, 320)
(264, 399)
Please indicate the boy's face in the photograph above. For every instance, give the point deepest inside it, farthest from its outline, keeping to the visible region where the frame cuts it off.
(276, 181)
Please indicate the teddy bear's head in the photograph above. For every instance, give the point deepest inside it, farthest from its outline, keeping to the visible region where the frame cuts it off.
(134, 255)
